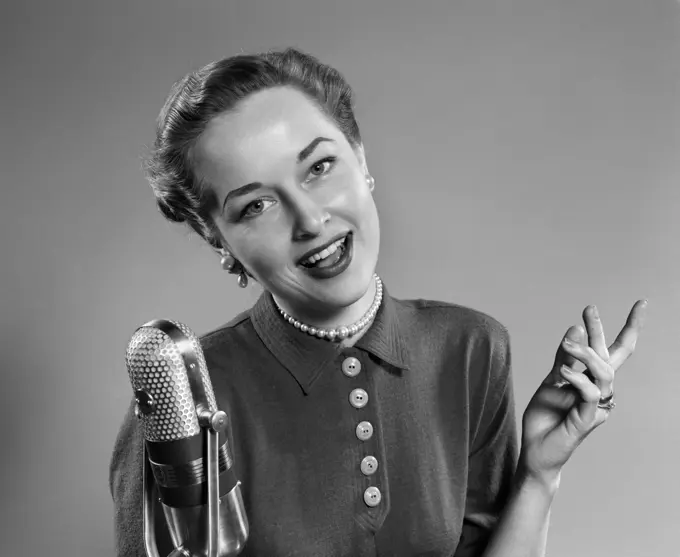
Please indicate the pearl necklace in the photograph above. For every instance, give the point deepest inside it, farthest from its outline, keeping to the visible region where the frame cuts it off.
(340, 333)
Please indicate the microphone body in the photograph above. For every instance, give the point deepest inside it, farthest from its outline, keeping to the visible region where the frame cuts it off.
(188, 464)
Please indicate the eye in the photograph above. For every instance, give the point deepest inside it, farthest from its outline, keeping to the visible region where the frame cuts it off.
(322, 167)
(256, 207)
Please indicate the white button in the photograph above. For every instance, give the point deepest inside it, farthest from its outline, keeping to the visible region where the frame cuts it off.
(358, 398)
(365, 431)
(369, 465)
(351, 367)
(372, 496)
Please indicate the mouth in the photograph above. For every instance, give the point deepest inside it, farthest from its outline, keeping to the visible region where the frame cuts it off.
(331, 261)
(327, 254)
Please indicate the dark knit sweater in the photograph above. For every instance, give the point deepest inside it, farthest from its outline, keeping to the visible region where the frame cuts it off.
(436, 383)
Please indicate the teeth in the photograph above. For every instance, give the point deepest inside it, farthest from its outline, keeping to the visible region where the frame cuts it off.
(330, 250)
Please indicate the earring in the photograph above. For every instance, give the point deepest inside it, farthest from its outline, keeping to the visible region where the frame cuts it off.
(227, 261)
(371, 182)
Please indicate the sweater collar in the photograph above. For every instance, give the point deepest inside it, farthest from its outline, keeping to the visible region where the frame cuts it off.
(305, 356)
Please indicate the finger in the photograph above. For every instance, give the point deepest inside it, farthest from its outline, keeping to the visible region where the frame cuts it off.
(600, 370)
(562, 358)
(596, 340)
(624, 345)
(583, 414)
(575, 333)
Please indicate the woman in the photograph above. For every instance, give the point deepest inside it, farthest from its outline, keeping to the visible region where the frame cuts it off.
(361, 424)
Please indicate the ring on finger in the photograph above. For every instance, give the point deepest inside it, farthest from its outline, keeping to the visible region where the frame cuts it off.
(607, 402)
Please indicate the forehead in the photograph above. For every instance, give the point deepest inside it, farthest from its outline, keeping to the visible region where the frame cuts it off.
(260, 138)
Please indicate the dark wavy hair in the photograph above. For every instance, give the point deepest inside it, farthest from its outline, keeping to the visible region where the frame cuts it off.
(215, 89)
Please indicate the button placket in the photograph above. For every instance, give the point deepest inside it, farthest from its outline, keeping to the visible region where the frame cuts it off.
(359, 399)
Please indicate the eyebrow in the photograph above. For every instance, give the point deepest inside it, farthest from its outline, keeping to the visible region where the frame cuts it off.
(252, 186)
(302, 155)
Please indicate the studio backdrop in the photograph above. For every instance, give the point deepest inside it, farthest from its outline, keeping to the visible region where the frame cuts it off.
(527, 163)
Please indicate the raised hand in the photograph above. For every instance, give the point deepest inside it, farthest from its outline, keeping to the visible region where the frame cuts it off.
(570, 404)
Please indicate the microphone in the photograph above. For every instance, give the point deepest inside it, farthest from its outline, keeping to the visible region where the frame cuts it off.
(187, 461)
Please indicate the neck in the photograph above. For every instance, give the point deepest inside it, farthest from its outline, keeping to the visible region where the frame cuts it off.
(328, 318)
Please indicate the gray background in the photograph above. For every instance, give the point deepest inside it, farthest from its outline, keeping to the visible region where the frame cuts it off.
(526, 160)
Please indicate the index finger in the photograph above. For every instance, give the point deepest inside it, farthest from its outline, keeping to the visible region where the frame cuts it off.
(624, 345)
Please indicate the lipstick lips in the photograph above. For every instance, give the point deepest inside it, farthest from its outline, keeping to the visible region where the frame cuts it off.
(338, 267)
(312, 251)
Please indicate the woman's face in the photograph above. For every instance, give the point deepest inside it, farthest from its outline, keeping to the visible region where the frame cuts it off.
(287, 181)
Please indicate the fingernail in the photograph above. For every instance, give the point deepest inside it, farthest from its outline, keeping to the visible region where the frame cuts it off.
(596, 314)
(567, 341)
(566, 371)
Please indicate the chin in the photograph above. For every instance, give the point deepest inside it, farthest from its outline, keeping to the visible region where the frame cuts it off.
(350, 288)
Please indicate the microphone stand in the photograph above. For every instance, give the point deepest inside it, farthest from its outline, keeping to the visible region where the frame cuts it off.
(226, 524)
(212, 423)
(148, 509)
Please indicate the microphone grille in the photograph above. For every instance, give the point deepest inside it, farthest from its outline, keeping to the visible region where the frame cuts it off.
(156, 366)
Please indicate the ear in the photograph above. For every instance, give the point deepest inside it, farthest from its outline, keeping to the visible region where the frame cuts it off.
(218, 236)
(361, 157)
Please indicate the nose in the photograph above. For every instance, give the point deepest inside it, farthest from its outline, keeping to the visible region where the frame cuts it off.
(310, 217)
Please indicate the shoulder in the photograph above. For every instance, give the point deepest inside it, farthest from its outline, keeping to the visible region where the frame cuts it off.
(452, 320)
(234, 331)
(469, 343)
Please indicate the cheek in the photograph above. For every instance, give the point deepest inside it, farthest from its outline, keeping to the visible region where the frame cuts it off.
(373, 224)
(265, 255)
(354, 196)
(368, 211)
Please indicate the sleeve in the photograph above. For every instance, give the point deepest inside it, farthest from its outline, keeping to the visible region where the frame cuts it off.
(494, 445)
(126, 486)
